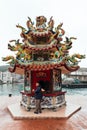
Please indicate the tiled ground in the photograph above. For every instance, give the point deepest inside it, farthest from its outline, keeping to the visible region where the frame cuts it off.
(64, 112)
(77, 121)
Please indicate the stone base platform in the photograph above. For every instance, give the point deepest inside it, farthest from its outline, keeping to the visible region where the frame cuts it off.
(64, 112)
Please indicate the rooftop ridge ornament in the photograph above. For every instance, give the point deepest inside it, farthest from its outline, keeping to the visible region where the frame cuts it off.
(43, 37)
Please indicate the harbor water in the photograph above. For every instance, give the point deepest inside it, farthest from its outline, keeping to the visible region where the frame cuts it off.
(16, 88)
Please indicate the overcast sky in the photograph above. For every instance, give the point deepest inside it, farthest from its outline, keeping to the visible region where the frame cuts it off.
(73, 14)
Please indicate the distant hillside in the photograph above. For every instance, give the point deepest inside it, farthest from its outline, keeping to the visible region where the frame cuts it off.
(4, 68)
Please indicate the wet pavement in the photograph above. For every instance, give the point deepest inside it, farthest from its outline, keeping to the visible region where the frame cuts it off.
(77, 122)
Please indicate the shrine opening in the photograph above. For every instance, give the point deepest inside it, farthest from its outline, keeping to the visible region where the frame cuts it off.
(43, 55)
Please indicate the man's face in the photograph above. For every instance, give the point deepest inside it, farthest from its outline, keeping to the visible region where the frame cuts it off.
(37, 84)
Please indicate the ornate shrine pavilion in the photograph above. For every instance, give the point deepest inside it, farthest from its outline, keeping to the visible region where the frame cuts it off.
(42, 56)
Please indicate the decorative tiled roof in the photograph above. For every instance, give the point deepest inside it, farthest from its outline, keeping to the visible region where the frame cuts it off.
(43, 47)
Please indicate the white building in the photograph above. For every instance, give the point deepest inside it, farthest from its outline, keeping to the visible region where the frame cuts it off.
(7, 76)
(80, 74)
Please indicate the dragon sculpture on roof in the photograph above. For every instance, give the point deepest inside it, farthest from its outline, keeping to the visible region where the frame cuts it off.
(41, 38)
